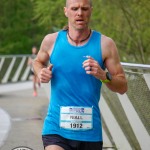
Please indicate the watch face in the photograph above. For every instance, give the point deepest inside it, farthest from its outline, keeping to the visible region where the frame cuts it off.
(108, 76)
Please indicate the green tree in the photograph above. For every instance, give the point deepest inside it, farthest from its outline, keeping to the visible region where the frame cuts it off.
(18, 30)
(50, 13)
(127, 22)
(24, 23)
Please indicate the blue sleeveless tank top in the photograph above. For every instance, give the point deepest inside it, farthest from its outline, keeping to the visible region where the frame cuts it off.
(73, 110)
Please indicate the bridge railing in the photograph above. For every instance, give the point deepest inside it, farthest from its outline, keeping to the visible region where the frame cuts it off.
(14, 68)
(125, 118)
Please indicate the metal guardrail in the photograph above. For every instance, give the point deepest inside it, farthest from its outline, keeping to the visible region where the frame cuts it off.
(14, 68)
(135, 66)
(125, 117)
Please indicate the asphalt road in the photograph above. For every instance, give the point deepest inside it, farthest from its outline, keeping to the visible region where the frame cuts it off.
(21, 117)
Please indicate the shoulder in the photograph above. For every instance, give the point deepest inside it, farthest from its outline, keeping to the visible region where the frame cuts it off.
(107, 41)
(108, 46)
(48, 42)
(50, 38)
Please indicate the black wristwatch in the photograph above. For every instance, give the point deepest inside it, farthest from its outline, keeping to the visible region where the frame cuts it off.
(108, 78)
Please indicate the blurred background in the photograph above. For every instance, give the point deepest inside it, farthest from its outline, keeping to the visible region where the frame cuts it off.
(24, 23)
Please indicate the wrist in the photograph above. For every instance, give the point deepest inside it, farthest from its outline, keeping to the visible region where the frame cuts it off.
(107, 78)
(38, 73)
(103, 76)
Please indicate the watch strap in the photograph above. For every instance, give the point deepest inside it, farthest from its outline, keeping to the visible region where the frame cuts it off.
(105, 81)
(108, 78)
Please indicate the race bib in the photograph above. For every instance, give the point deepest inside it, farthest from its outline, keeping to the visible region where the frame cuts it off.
(76, 118)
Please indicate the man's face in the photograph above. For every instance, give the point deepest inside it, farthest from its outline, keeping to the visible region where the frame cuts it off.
(34, 50)
(78, 13)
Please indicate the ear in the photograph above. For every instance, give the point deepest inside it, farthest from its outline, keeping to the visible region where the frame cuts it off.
(65, 11)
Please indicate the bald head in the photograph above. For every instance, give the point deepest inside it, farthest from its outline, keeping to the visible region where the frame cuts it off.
(67, 2)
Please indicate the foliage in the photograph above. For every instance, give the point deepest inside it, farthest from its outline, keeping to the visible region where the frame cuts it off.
(18, 31)
(25, 22)
(127, 22)
(50, 13)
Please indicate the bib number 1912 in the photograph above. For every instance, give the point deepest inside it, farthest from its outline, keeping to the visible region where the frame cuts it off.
(76, 125)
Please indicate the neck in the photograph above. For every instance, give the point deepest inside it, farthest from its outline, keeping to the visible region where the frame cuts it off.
(79, 41)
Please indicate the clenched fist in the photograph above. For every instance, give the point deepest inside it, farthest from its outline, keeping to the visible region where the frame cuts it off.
(92, 67)
(46, 74)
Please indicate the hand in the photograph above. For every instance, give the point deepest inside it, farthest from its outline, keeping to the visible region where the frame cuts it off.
(92, 67)
(46, 74)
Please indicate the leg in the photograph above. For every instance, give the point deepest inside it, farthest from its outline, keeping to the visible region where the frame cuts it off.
(34, 86)
(55, 142)
(91, 145)
(53, 147)
(38, 81)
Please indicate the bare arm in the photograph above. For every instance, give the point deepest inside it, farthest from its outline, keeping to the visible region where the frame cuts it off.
(112, 63)
(41, 69)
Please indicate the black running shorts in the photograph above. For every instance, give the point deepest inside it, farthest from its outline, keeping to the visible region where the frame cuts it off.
(67, 144)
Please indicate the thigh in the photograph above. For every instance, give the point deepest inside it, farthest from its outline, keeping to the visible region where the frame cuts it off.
(53, 147)
(91, 145)
(55, 142)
